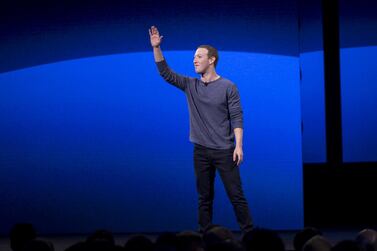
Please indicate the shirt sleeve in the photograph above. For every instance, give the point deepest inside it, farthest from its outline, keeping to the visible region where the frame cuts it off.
(171, 77)
(234, 106)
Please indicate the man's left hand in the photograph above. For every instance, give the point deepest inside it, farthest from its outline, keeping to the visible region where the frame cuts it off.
(238, 155)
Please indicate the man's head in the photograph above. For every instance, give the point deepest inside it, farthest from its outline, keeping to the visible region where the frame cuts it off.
(205, 58)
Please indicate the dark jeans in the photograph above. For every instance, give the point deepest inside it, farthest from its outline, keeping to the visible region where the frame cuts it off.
(206, 161)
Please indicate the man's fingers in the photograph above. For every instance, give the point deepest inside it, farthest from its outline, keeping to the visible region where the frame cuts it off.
(239, 158)
(155, 31)
(234, 155)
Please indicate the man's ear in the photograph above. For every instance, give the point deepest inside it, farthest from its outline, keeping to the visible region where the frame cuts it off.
(212, 60)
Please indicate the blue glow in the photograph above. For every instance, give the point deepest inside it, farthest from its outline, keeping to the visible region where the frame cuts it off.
(103, 143)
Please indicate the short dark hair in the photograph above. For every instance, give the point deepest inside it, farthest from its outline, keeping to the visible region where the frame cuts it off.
(212, 52)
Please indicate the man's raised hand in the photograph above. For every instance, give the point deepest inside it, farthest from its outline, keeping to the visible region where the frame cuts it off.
(155, 37)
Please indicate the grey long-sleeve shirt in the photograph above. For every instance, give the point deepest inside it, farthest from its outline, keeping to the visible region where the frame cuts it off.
(214, 107)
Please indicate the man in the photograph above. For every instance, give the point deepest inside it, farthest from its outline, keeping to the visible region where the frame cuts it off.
(215, 120)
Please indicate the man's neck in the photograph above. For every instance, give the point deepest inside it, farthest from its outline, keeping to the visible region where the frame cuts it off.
(209, 76)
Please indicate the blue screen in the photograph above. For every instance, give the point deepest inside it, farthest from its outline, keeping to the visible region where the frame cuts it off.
(359, 103)
(358, 42)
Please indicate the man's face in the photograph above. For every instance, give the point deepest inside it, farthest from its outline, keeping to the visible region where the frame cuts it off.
(201, 60)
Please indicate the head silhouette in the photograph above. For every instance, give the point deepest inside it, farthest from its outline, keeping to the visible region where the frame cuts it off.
(21, 234)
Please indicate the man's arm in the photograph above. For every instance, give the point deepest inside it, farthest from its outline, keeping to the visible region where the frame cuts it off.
(169, 75)
(236, 118)
(158, 57)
